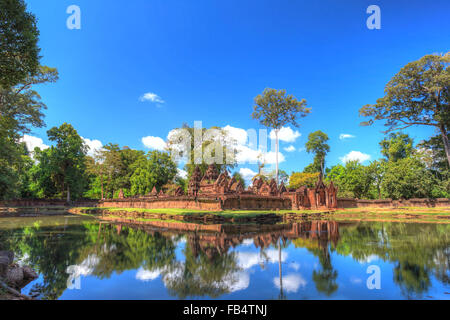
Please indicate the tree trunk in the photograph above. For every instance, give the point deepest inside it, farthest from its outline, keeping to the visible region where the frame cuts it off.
(280, 269)
(446, 143)
(68, 193)
(101, 179)
(276, 154)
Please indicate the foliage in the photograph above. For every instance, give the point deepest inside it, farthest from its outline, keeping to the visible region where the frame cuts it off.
(299, 179)
(397, 146)
(20, 108)
(238, 178)
(156, 170)
(407, 178)
(417, 95)
(275, 109)
(215, 142)
(317, 144)
(19, 52)
(61, 168)
(352, 179)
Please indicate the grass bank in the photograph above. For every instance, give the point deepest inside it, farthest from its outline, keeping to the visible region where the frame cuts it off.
(410, 214)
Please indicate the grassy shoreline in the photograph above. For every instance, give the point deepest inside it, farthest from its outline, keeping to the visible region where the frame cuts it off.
(409, 214)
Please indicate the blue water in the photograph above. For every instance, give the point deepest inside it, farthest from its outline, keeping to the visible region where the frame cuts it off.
(111, 261)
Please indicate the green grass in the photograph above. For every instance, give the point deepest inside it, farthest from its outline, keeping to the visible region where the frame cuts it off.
(408, 213)
(230, 214)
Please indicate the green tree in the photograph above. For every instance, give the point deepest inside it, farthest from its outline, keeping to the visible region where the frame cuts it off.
(111, 163)
(20, 108)
(375, 171)
(438, 161)
(68, 160)
(42, 184)
(155, 171)
(407, 178)
(352, 179)
(213, 139)
(397, 146)
(275, 109)
(417, 95)
(299, 179)
(317, 144)
(239, 177)
(19, 51)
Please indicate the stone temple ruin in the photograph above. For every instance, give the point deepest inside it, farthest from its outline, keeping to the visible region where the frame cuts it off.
(216, 191)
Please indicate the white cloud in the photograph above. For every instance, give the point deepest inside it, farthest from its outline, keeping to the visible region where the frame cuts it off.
(291, 282)
(285, 134)
(154, 143)
(237, 281)
(247, 260)
(247, 173)
(355, 280)
(343, 136)
(294, 265)
(247, 242)
(146, 275)
(151, 97)
(291, 148)
(182, 173)
(355, 155)
(85, 268)
(33, 142)
(247, 151)
(93, 145)
(238, 134)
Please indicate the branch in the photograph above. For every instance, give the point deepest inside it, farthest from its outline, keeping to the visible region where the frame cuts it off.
(14, 291)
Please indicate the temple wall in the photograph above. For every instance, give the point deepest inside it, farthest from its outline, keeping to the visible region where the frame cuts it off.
(164, 203)
(254, 202)
(226, 202)
(389, 203)
(46, 203)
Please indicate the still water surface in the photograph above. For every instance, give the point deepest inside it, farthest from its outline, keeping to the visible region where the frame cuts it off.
(81, 258)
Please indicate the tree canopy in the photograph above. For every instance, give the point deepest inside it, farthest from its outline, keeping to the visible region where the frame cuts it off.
(19, 51)
(317, 144)
(275, 109)
(417, 95)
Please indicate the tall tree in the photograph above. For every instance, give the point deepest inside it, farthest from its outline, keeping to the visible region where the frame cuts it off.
(20, 108)
(240, 178)
(183, 139)
(68, 159)
(397, 146)
(276, 109)
(19, 52)
(317, 144)
(299, 179)
(156, 170)
(417, 95)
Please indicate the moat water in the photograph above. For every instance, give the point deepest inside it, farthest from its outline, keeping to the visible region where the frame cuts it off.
(82, 258)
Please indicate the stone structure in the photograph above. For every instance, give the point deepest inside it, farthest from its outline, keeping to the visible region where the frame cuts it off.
(319, 197)
(217, 191)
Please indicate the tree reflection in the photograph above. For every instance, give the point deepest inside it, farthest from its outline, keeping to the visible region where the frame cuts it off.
(417, 250)
(209, 268)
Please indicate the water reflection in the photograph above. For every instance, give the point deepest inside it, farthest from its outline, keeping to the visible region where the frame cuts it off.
(153, 260)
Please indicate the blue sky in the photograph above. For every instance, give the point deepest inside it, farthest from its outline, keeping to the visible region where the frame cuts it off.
(207, 60)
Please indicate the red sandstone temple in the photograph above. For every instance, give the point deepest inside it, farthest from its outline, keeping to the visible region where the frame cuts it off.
(218, 191)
